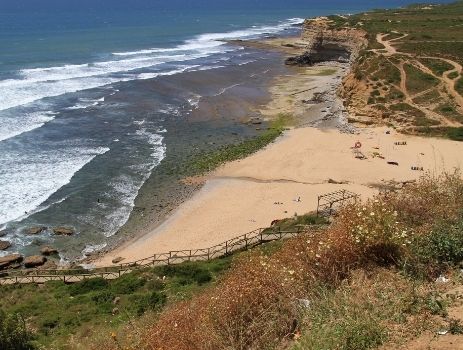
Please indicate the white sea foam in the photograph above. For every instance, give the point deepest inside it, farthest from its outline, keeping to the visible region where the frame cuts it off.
(14, 126)
(38, 83)
(125, 188)
(26, 181)
(225, 89)
(194, 101)
(89, 249)
(182, 69)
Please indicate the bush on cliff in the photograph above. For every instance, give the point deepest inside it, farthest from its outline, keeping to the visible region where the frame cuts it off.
(14, 334)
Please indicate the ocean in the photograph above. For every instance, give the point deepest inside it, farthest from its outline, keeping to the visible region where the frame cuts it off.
(94, 95)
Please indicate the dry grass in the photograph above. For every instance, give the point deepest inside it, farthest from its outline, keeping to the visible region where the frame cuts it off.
(349, 272)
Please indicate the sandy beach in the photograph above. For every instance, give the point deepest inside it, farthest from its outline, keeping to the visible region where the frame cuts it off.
(316, 156)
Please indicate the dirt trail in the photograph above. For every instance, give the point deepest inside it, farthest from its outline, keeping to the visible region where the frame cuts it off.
(445, 81)
(409, 100)
(388, 48)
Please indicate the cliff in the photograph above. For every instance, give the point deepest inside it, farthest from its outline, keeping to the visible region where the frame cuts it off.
(325, 42)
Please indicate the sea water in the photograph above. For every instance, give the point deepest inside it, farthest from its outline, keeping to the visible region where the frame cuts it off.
(74, 149)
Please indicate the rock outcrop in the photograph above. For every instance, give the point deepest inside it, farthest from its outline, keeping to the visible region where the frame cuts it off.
(34, 261)
(48, 251)
(4, 245)
(35, 230)
(63, 231)
(9, 260)
(327, 43)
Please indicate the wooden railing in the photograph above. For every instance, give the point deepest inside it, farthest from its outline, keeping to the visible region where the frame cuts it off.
(242, 242)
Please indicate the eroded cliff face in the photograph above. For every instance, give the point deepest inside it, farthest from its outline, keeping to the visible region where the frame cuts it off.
(327, 43)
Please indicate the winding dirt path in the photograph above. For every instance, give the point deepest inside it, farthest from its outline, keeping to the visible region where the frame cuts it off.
(447, 83)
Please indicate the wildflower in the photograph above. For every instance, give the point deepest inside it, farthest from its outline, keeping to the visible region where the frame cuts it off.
(372, 214)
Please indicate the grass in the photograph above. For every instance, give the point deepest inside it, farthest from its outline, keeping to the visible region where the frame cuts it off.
(58, 311)
(407, 109)
(432, 96)
(459, 86)
(209, 161)
(449, 110)
(421, 121)
(418, 81)
(326, 72)
(437, 66)
(453, 75)
(455, 134)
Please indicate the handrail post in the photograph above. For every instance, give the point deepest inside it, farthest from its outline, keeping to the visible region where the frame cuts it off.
(246, 241)
(226, 247)
(208, 254)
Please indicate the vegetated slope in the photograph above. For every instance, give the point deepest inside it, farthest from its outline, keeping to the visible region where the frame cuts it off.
(368, 280)
(410, 74)
(59, 316)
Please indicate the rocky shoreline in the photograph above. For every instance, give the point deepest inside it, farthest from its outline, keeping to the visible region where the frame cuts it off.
(320, 108)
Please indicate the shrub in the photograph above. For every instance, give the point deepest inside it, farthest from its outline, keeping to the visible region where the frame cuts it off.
(103, 297)
(127, 284)
(435, 252)
(187, 273)
(455, 134)
(13, 333)
(143, 303)
(86, 286)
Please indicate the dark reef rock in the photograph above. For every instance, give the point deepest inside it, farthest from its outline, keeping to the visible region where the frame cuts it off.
(4, 245)
(63, 231)
(117, 260)
(35, 230)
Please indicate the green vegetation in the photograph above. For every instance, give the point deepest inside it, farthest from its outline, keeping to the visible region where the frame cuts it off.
(453, 75)
(459, 86)
(405, 107)
(449, 110)
(437, 66)
(441, 247)
(209, 161)
(13, 333)
(455, 134)
(326, 72)
(57, 310)
(418, 81)
(432, 96)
